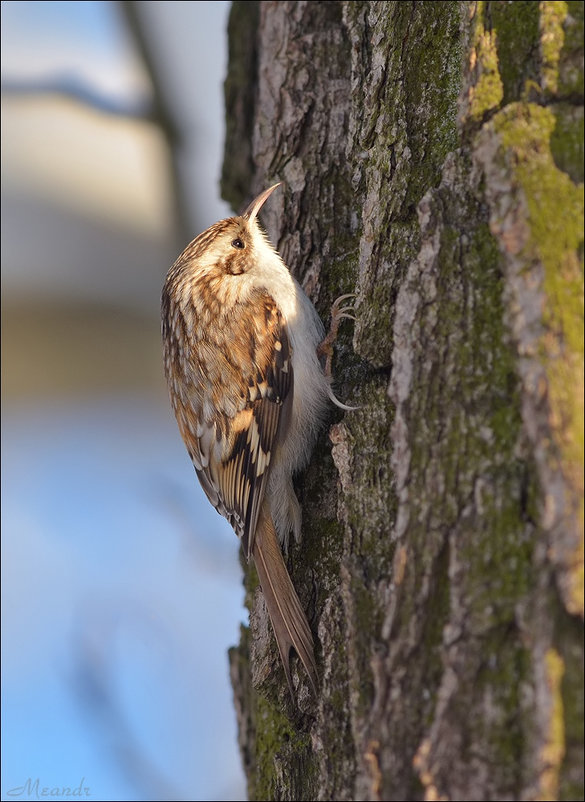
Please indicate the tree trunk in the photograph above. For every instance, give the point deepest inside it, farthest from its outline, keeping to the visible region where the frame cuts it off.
(432, 160)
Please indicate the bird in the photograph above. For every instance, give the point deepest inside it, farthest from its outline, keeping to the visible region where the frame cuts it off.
(243, 350)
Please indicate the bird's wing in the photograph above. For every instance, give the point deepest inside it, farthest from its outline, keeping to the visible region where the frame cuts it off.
(235, 447)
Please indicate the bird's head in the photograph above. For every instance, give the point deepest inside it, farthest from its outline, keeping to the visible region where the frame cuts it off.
(234, 245)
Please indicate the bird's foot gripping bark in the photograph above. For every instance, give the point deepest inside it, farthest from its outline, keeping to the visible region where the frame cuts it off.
(338, 312)
(325, 348)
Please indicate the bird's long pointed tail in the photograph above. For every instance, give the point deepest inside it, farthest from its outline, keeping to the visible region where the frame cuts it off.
(289, 621)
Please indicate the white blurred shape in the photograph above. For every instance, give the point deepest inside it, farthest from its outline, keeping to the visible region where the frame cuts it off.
(189, 45)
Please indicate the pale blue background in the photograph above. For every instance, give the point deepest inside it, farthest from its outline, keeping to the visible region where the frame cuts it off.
(121, 586)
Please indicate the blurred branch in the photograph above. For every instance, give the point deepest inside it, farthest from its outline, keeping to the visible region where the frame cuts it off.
(93, 679)
(163, 112)
(71, 86)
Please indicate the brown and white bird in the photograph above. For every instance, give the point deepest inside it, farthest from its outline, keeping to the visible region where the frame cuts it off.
(241, 359)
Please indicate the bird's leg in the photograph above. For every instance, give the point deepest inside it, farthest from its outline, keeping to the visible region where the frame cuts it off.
(338, 312)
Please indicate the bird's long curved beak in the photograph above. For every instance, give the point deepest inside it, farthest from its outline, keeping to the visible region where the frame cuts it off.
(253, 209)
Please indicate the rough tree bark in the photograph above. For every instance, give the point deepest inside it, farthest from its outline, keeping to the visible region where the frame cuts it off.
(432, 160)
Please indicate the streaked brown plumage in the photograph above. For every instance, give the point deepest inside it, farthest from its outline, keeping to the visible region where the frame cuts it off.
(248, 391)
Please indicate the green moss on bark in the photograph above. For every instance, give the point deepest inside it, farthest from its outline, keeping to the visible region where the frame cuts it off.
(556, 241)
(280, 748)
(516, 29)
(566, 141)
(487, 90)
(552, 16)
(569, 641)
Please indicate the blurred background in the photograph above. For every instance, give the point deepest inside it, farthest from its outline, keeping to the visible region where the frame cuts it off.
(121, 587)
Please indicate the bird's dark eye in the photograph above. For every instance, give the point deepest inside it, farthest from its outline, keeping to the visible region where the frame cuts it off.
(237, 243)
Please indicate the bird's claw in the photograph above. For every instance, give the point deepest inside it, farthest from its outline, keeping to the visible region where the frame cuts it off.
(338, 313)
